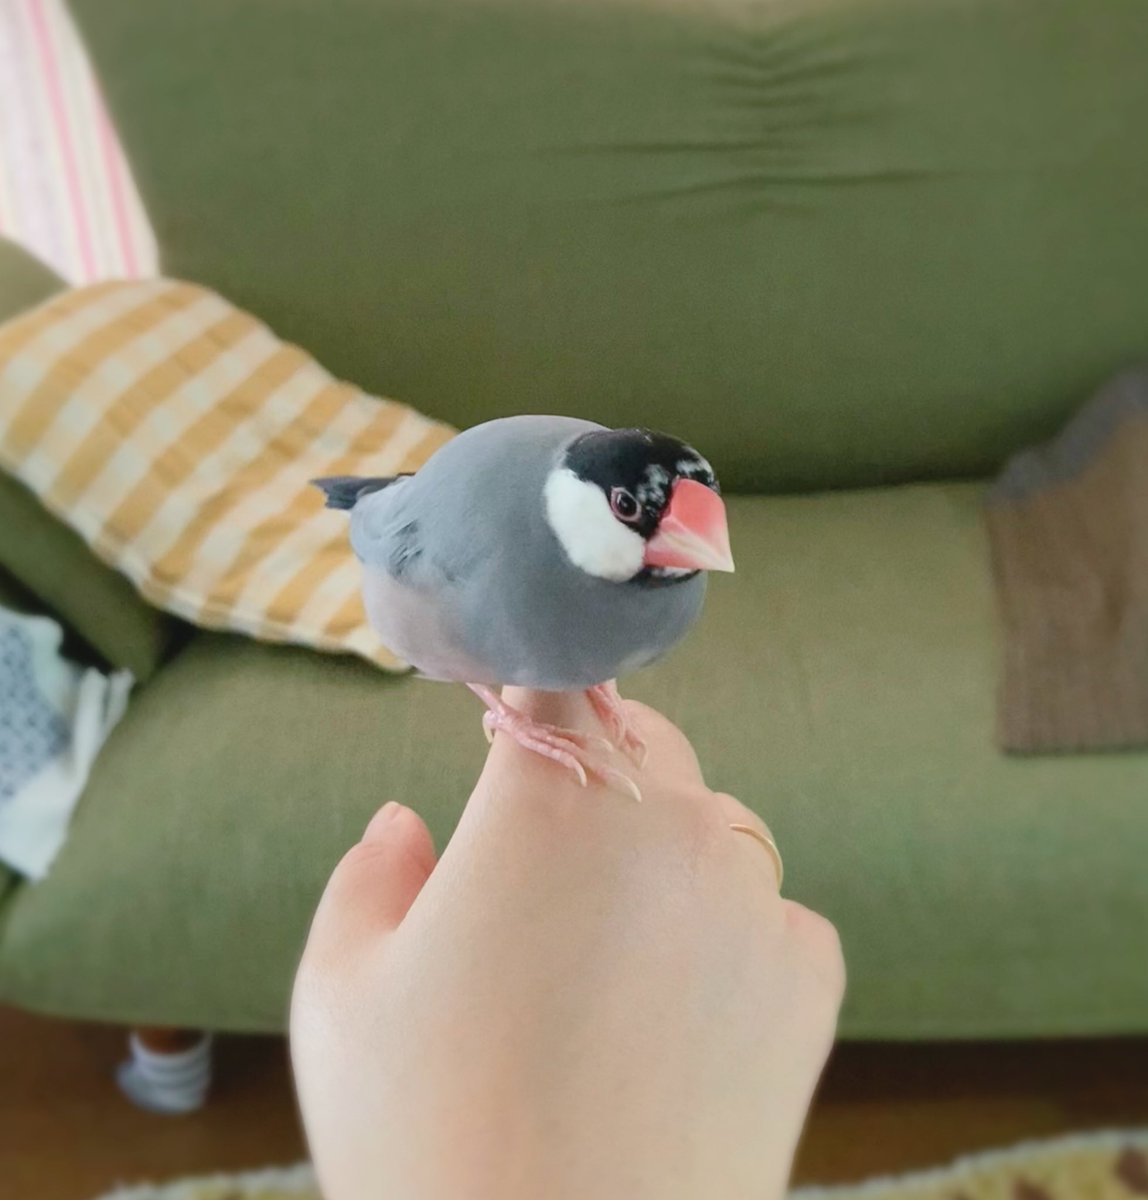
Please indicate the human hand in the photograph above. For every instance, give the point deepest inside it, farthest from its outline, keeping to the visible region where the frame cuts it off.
(587, 997)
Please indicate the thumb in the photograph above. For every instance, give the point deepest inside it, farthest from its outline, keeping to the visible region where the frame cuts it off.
(375, 883)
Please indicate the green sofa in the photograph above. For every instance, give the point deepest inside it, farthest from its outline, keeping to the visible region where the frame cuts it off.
(858, 251)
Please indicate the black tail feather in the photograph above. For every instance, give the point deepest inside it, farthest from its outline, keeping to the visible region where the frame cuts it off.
(345, 491)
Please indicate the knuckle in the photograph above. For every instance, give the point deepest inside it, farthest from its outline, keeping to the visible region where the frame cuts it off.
(657, 728)
(701, 828)
(690, 826)
(311, 986)
(356, 862)
(304, 987)
(820, 944)
(319, 995)
(735, 811)
(362, 856)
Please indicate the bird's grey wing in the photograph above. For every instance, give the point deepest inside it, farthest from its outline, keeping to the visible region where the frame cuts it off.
(412, 582)
(399, 534)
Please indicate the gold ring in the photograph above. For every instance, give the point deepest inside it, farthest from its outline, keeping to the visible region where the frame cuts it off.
(770, 848)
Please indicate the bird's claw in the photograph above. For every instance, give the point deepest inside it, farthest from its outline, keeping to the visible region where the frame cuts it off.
(606, 702)
(624, 782)
(567, 747)
(492, 722)
(635, 749)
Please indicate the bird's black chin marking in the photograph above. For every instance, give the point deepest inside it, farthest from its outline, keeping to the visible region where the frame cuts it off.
(655, 577)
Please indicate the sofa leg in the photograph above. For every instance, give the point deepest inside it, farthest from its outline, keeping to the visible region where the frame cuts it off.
(169, 1070)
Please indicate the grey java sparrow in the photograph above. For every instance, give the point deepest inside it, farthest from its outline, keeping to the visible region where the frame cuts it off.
(544, 552)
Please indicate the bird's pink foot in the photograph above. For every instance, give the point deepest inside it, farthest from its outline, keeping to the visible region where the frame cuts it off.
(567, 747)
(612, 713)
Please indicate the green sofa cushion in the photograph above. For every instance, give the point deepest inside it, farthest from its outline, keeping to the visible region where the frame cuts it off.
(47, 557)
(830, 241)
(842, 683)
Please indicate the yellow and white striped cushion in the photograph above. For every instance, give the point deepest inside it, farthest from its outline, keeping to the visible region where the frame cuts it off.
(177, 435)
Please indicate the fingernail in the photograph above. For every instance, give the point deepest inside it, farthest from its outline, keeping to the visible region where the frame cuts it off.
(381, 820)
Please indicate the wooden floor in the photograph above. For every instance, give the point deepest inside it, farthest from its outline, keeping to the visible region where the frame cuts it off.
(65, 1133)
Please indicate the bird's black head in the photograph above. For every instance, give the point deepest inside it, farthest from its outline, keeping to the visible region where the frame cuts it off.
(634, 504)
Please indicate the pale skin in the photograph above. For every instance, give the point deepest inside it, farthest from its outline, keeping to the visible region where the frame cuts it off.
(586, 996)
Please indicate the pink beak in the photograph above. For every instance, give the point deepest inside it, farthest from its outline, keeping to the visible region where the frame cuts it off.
(692, 534)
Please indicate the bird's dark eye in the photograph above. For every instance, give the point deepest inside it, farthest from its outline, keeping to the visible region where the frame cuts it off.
(623, 505)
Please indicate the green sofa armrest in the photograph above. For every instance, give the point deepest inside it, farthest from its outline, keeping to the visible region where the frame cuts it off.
(47, 557)
(101, 606)
(24, 280)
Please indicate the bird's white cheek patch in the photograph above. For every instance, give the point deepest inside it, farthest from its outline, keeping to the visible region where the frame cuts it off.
(593, 538)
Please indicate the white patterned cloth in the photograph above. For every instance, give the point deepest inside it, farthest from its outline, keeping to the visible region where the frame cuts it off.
(54, 717)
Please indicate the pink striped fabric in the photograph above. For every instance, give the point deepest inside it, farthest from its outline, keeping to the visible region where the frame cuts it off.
(66, 192)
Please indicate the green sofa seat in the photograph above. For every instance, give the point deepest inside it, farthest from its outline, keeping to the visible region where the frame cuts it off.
(43, 556)
(842, 683)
